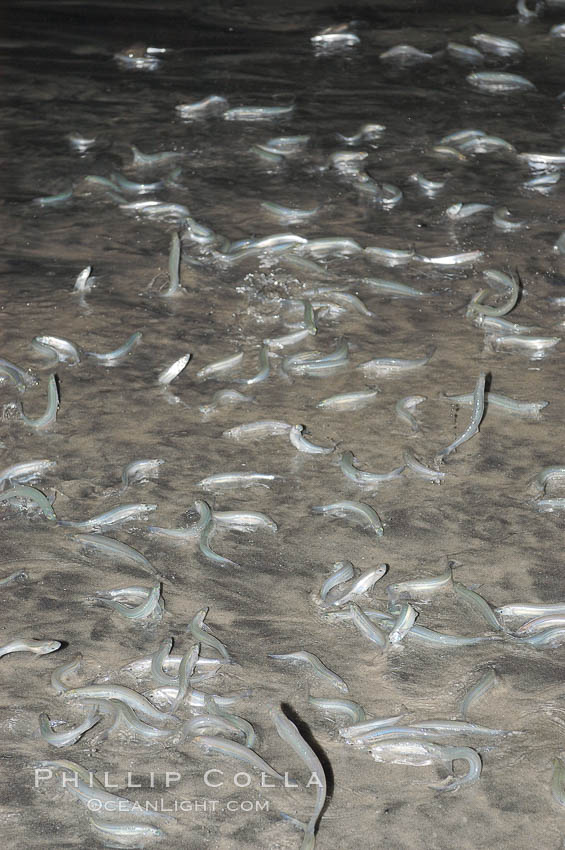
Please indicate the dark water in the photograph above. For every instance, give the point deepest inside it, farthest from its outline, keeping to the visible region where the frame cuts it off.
(60, 77)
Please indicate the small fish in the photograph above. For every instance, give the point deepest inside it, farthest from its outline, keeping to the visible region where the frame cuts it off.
(244, 520)
(264, 369)
(487, 144)
(391, 287)
(391, 365)
(288, 144)
(551, 638)
(19, 575)
(174, 288)
(122, 513)
(391, 195)
(367, 628)
(300, 442)
(316, 363)
(19, 377)
(389, 256)
(344, 300)
(535, 347)
(348, 162)
(493, 324)
(403, 623)
(366, 478)
(72, 666)
(266, 154)
(428, 187)
(144, 160)
(137, 188)
(211, 105)
(466, 258)
(150, 606)
(327, 245)
(158, 210)
(35, 645)
(50, 415)
(202, 634)
(361, 585)
(363, 513)
(204, 542)
(464, 53)
(477, 307)
(412, 463)
(477, 602)
(317, 666)
(335, 40)
(23, 491)
(83, 785)
(64, 349)
(525, 408)
(526, 14)
(538, 624)
(54, 200)
(405, 54)
(499, 82)
(237, 480)
(348, 401)
(23, 473)
(541, 480)
(358, 730)
(68, 736)
(257, 113)
(289, 733)
(257, 430)
(421, 590)
(114, 549)
(419, 753)
(502, 219)
(111, 357)
(339, 706)
(457, 212)
(225, 747)
(288, 339)
(543, 161)
(114, 830)
(452, 153)
(366, 133)
(140, 471)
(138, 57)
(476, 418)
(542, 183)
(80, 143)
(192, 531)
(548, 505)
(497, 45)
(488, 681)
(460, 136)
(403, 407)
(118, 692)
(173, 371)
(441, 727)
(223, 398)
(532, 609)
(220, 367)
(341, 572)
(289, 213)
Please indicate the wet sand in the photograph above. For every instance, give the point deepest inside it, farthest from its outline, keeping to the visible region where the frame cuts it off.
(60, 77)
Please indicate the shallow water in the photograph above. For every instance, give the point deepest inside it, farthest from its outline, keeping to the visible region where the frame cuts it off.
(61, 77)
